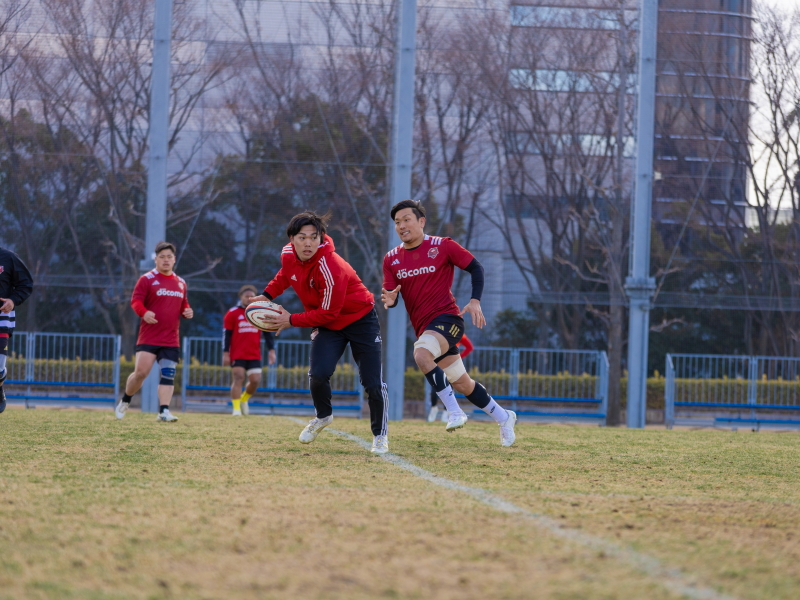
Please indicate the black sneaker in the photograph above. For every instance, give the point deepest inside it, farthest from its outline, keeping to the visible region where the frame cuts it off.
(2, 399)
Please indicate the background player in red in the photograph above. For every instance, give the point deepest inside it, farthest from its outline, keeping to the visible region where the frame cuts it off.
(422, 266)
(465, 348)
(341, 311)
(242, 351)
(160, 298)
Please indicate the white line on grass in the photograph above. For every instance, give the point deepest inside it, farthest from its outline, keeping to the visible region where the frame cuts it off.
(671, 578)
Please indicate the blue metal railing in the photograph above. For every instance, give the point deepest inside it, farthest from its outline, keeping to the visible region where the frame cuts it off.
(544, 384)
(707, 389)
(63, 368)
(206, 384)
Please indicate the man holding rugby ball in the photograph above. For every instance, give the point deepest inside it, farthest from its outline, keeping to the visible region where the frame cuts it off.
(341, 311)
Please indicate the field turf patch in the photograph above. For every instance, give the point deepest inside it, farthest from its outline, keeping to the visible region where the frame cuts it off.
(218, 507)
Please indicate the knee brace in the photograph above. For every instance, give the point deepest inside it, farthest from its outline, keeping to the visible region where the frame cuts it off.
(430, 343)
(167, 371)
(455, 371)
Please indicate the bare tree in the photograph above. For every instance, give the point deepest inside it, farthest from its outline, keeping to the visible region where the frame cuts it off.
(100, 89)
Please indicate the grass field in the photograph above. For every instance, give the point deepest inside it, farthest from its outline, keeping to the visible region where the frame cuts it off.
(215, 507)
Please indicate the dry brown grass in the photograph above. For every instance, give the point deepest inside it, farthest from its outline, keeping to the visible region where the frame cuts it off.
(215, 507)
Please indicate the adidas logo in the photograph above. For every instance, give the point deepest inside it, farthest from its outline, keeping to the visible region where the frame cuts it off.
(437, 327)
(156, 282)
(377, 341)
(396, 261)
(294, 278)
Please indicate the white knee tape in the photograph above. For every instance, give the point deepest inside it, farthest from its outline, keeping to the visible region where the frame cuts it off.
(430, 343)
(253, 371)
(455, 371)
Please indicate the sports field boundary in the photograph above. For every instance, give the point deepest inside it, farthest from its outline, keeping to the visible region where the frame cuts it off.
(673, 579)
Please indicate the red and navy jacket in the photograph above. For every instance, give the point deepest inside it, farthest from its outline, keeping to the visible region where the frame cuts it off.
(329, 288)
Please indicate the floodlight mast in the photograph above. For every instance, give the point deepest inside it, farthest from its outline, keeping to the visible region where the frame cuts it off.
(156, 214)
(640, 285)
(402, 139)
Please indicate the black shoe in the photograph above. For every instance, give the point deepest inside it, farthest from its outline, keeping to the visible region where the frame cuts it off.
(2, 399)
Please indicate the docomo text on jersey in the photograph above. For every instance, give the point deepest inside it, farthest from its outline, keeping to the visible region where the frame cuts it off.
(163, 292)
(402, 273)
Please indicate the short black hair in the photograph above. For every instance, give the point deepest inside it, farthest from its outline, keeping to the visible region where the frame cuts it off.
(165, 246)
(308, 217)
(415, 206)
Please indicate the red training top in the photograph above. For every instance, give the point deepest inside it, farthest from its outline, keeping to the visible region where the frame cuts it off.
(329, 288)
(167, 297)
(466, 345)
(426, 276)
(246, 339)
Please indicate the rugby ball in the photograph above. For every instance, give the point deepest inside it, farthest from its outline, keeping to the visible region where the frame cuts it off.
(257, 312)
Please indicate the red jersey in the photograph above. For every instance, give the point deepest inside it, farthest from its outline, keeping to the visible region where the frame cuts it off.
(426, 276)
(245, 338)
(167, 297)
(329, 288)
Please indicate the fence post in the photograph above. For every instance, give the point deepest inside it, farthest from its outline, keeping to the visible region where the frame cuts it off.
(669, 393)
(513, 370)
(117, 366)
(602, 382)
(30, 367)
(187, 359)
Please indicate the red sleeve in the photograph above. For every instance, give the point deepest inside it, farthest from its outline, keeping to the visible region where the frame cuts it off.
(228, 322)
(458, 255)
(333, 292)
(389, 280)
(466, 346)
(278, 285)
(138, 297)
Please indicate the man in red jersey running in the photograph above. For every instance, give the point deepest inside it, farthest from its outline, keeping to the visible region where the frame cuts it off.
(341, 310)
(241, 350)
(422, 267)
(160, 298)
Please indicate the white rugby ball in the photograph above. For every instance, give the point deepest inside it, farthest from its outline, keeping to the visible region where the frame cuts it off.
(257, 312)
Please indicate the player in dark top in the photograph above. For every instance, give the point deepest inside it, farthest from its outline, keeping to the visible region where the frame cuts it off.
(241, 351)
(16, 284)
(160, 298)
(421, 268)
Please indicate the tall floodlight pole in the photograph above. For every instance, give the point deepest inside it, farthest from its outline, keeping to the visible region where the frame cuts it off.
(402, 139)
(639, 284)
(156, 219)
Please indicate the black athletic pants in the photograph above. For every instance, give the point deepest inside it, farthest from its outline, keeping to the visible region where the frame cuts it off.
(327, 347)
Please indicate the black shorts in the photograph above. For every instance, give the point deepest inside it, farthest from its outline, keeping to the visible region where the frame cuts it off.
(172, 353)
(452, 328)
(247, 365)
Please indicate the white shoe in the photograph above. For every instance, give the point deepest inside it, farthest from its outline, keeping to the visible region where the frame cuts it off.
(236, 413)
(507, 435)
(245, 408)
(456, 421)
(121, 408)
(444, 416)
(166, 417)
(380, 445)
(433, 414)
(315, 425)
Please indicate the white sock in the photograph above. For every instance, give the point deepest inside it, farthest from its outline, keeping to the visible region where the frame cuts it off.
(448, 398)
(497, 412)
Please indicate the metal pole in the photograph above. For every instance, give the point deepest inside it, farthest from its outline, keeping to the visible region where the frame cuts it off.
(156, 219)
(402, 138)
(639, 284)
